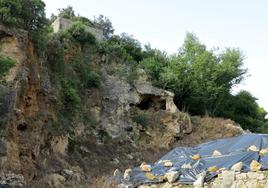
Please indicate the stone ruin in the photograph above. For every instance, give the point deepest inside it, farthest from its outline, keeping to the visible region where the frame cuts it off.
(63, 23)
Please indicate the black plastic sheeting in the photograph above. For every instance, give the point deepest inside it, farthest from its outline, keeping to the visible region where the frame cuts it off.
(233, 150)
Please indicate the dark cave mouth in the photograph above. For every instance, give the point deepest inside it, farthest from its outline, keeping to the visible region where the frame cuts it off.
(149, 102)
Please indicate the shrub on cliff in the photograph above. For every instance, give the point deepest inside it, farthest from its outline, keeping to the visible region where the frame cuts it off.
(105, 24)
(72, 100)
(79, 32)
(26, 14)
(5, 64)
(55, 54)
(92, 79)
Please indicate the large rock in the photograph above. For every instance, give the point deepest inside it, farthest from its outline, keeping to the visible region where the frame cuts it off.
(172, 176)
(119, 97)
(228, 178)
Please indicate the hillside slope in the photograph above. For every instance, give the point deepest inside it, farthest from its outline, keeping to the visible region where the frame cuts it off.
(79, 112)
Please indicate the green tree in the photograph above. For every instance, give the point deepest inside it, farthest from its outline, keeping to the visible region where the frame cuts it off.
(129, 44)
(200, 78)
(67, 12)
(105, 24)
(79, 32)
(25, 14)
(244, 109)
(10, 12)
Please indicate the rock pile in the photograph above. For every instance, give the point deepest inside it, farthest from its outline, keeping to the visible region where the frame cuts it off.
(226, 179)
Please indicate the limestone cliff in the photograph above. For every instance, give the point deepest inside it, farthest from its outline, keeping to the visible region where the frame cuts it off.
(121, 123)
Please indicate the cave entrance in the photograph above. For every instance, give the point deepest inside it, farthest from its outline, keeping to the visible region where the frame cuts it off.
(151, 102)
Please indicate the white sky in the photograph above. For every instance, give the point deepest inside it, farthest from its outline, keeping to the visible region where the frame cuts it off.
(163, 23)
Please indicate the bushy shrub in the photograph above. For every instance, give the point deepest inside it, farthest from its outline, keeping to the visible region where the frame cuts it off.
(93, 79)
(140, 118)
(114, 49)
(5, 64)
(55, 53)
(79, 32)
(72, 100)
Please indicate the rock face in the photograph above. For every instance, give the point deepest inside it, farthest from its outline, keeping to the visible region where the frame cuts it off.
(129, 120)
(119, 108)
(121, 99)
(62, 23)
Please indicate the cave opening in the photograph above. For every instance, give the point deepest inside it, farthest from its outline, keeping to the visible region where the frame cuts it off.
(22, 127)
(151, 102)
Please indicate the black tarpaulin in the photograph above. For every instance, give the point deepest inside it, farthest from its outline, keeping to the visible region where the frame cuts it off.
(232, 151)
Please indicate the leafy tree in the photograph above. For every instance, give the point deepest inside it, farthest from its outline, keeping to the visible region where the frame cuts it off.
(105, 24)
(26, 14)
(72, 100)
(129, 44)
(67, 12)
(200, 78)
(10, 11)
(79, 32)
(244, 109)
(55, 54)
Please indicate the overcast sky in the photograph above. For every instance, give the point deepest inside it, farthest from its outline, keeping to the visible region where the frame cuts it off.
(217, 23)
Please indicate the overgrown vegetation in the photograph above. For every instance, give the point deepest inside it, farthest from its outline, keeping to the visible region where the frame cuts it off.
(140, 118)
(28, 15)
(201, 79)
(6, 63)
(67, 54)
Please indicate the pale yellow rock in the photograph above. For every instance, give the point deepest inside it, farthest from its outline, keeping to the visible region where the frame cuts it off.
(172, 176)
(252, 184)
(255, 175)
(228, 177)
(196, 157)
(161, 178)
(150, 176)
(213, 169)
(168, 164)
(240, 184)
(117, 172)
(255, 166)
(242, 176)
(186, 166)
(145, 167)
(253, 148)
(237, 167)
(264, 152)
(216, 153)
(127, 173)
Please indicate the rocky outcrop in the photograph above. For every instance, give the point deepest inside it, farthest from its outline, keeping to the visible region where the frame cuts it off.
(128, 121)
(120, 100)
(27, 107)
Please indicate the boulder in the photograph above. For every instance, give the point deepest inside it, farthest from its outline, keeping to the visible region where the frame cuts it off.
(150, 176)
(168, 164)
(253, 148)
(237, 167)
(255, 166)
(200, 180)
(145, 167)
(213, 169)
(228, 178)
(216, 153)
(127, 174)
(196, 157)
(172, 176)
